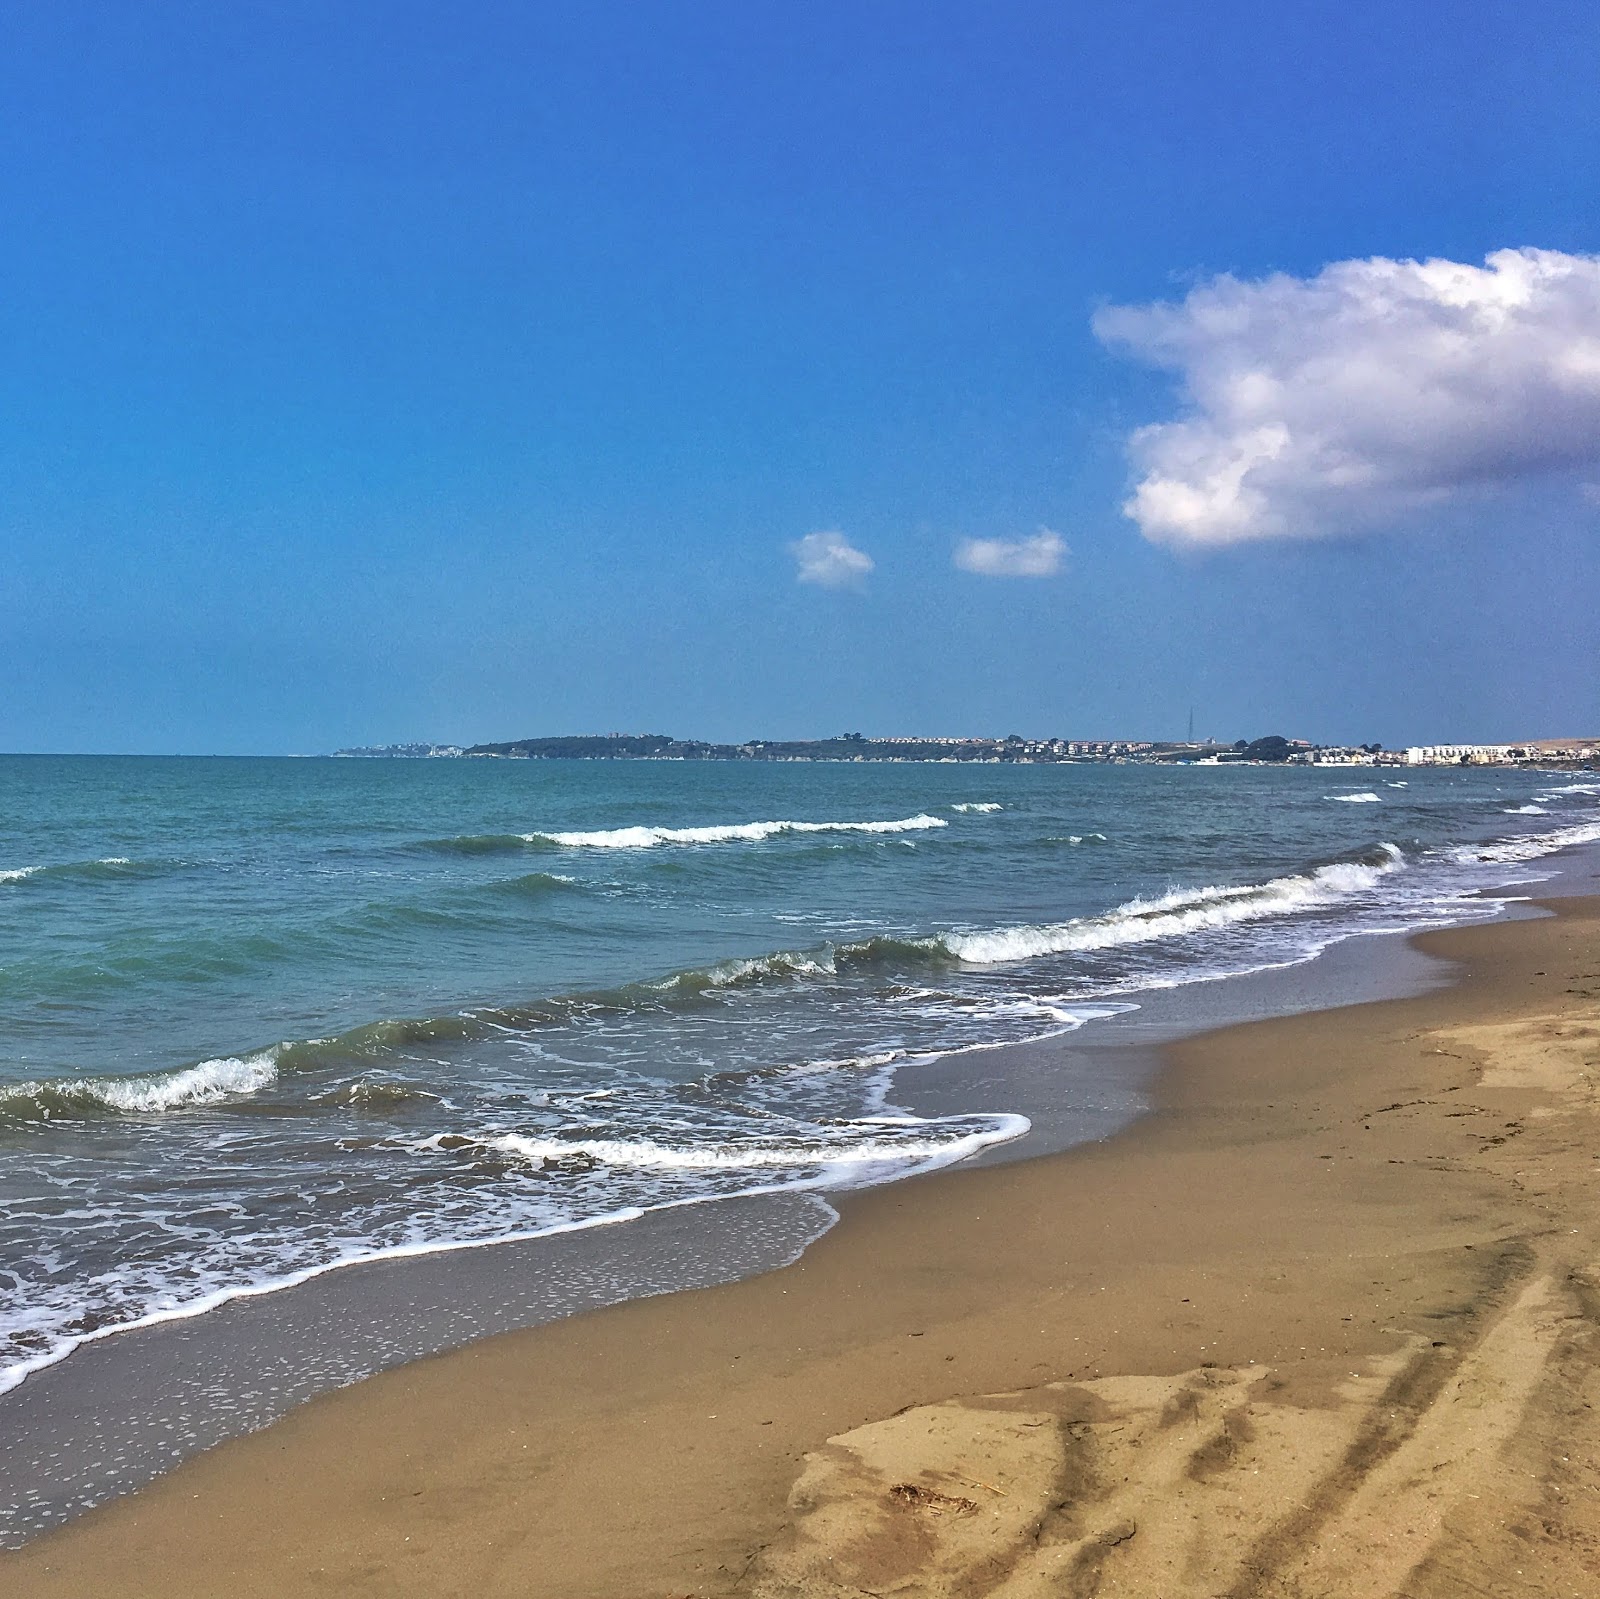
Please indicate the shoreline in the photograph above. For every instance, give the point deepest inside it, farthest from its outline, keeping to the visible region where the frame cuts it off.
(148, 1396)
(650, 1448)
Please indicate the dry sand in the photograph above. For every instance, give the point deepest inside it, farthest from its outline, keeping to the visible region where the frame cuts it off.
(1323, 1324)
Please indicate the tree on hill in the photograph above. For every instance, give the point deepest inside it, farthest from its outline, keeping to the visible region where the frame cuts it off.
(1273, 747)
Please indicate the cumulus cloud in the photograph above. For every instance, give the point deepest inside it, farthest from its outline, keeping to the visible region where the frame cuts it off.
(1039, 556)
(1374, 389)
(829, 558)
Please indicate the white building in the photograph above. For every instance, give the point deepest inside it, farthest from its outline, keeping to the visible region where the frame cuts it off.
(1458, 754)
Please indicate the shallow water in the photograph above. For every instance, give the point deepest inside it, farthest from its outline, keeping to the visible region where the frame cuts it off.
(259, 1019)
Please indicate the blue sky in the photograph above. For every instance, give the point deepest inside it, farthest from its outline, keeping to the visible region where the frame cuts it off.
(386, 371)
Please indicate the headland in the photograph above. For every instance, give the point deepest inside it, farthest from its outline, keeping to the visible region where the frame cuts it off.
(1013, 749)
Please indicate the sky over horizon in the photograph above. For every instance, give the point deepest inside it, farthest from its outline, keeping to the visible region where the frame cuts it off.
(393, 372)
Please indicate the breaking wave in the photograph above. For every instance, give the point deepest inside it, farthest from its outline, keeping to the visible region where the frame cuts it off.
(202, 1084)
(1365, 797)
(1180, 912)
(108, 868)
(982, 807)
(733, 833)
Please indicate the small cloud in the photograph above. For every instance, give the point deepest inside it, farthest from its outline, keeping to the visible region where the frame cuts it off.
(831, 560)
(1039, 556)
(1363, 394)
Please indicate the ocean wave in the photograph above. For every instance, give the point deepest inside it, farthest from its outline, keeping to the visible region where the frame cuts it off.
(1365, 797)
(476, 844)
(980, 807)
(1526, 810)
(358, 1049)
(1076, 839)
(733, 833)
(204, 1083)
(1396, 785)
(1179, 912)
(376, 1093)
(752, 969)
(536, 884)
(108, 868)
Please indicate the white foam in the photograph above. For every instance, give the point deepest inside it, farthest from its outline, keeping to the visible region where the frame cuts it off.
(1526, 810)
(739, 832)
(983, 807)
(785, 963)
(1530, 846)
(649, 1155)
(15, 874)
(1366, 797)
(1183, 911)
(1396, 785)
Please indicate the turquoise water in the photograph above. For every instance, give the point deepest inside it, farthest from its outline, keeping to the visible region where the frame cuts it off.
(259, 1018)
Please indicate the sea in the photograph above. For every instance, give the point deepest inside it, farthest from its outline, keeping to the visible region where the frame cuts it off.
(265, 1020)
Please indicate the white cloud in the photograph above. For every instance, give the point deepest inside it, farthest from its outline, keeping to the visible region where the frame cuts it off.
(1334, 403)
(830, 559)
(1039, 556)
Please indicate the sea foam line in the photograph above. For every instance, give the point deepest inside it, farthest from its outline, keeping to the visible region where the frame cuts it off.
(649, 1155)
(18, 1371)
(1530, 846)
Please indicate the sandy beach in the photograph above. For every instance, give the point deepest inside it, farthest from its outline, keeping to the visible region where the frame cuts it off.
(1322, 1323)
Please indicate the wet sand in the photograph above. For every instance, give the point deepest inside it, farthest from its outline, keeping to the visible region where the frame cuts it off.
(1323, 1323)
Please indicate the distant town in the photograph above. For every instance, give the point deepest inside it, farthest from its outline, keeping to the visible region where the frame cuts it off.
(1013, 749)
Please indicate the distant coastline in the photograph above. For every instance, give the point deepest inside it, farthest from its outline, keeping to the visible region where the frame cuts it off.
(1012, 749)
